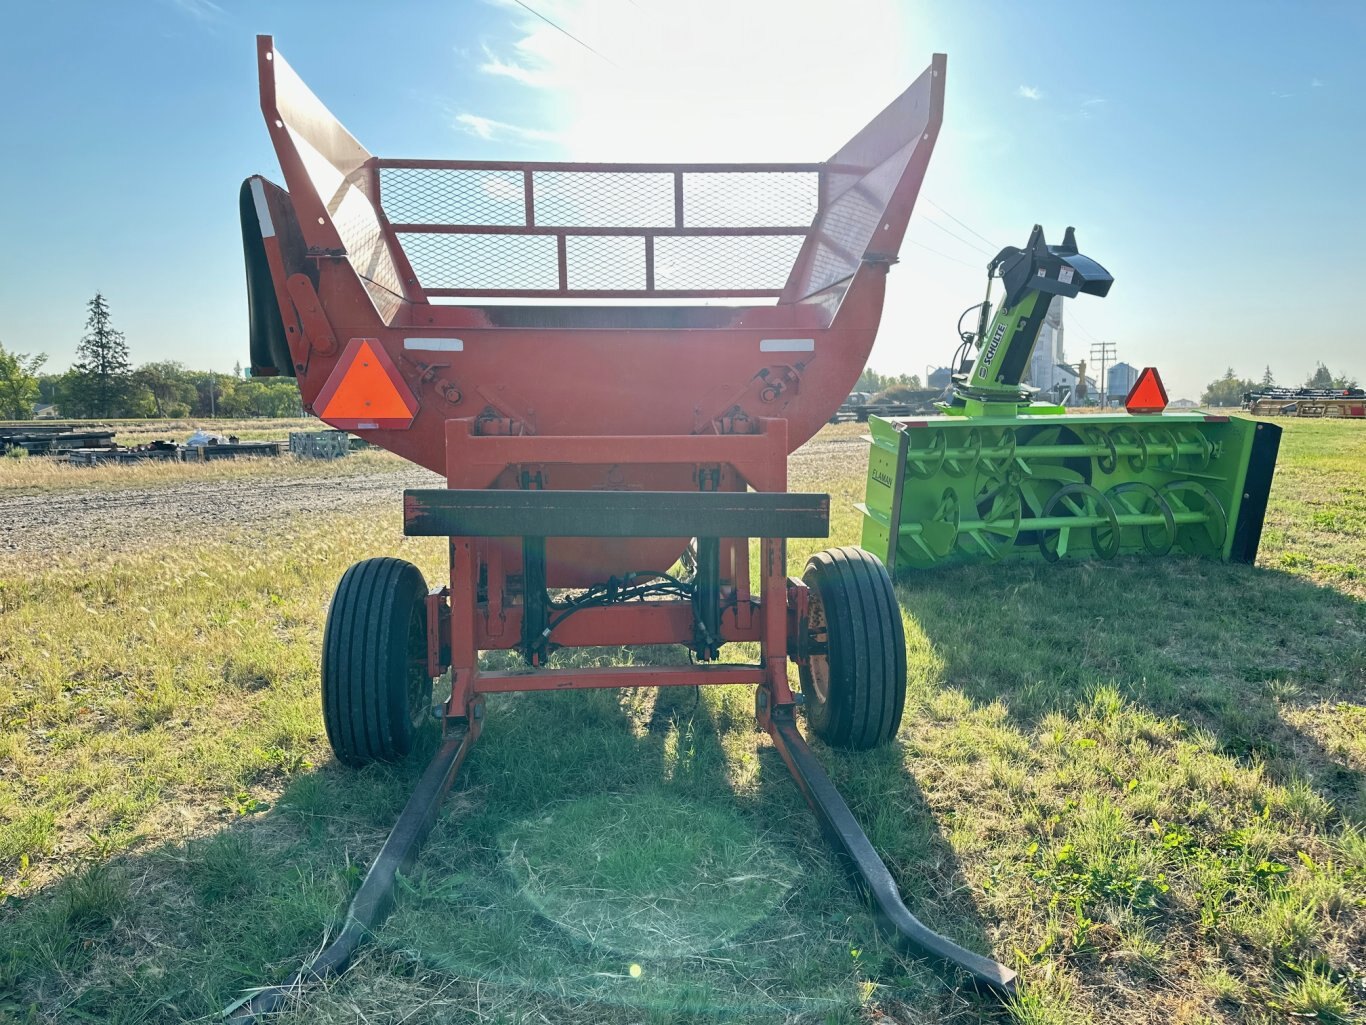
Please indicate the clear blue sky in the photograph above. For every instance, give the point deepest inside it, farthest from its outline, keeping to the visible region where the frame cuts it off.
(1210, 154)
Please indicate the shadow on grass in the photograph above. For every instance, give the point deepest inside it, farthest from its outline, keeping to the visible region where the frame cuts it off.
(172, 932)
(1236, 651)
(605, 858)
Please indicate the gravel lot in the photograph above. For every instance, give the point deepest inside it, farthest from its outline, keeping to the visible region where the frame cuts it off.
(116, 519)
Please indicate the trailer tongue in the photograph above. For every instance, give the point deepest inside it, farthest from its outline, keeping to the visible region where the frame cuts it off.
(588, 448)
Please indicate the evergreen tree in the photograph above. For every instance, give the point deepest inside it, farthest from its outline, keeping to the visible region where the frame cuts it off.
(1268, 381)
(102, 376)
(1322, 377)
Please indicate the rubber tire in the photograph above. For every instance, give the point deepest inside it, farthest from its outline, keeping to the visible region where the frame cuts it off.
(374, 642)
(865, 659)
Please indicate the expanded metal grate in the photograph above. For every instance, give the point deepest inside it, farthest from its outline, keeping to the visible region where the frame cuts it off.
(707, 263)
(487, 262)
(440, 196)
(600, 229)
(760, 199)
(617, 199)
(604, 262)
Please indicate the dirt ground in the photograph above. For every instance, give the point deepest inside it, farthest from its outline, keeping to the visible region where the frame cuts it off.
(116, 520)
(109, 520)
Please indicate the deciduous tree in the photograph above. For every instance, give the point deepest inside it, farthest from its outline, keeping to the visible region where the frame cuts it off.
(18, 383)
(1227, 391)
(169, 384)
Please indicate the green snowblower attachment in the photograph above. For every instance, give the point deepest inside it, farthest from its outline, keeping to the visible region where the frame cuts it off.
(1001, 476)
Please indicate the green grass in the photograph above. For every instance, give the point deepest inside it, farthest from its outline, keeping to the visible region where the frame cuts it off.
(1139, 784)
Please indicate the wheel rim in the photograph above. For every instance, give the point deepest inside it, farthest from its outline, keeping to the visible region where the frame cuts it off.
(419, 683)
(818, 637)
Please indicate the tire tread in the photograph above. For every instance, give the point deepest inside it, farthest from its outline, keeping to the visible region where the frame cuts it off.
(364, 661)
(866, 650)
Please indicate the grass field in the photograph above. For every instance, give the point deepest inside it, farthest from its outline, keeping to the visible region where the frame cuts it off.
(1139, 784)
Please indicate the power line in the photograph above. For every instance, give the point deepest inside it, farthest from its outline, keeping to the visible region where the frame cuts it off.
(946, 256)
(1072, 319)
(1104, 353)
(561, 28)
(960, 223)
(960, 238)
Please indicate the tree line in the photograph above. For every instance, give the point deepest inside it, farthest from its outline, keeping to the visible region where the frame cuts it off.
(1230, 389)
(103, 384)
(873, 382)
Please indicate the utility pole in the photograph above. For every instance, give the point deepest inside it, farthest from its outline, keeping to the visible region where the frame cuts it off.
(1104, 354)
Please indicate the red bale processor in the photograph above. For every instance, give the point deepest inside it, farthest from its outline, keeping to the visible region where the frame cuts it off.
(588, 447)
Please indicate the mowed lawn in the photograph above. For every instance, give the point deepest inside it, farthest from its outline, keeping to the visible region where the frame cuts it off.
(1138, 783)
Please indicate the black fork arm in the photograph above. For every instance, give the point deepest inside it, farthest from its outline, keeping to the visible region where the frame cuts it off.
(867, 870)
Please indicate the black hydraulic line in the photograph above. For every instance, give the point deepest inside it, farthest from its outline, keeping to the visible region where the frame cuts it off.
(706, 599)
(867, 870)
(535, 601)
(376, 893)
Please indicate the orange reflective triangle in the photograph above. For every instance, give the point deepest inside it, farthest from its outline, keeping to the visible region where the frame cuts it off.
(1147, 394)
(365, 390)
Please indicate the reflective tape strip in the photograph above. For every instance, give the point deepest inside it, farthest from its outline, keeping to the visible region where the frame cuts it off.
(435, 344)
(258, 195)
(787, 345)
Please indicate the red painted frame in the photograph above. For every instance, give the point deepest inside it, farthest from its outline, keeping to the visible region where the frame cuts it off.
(582, 397)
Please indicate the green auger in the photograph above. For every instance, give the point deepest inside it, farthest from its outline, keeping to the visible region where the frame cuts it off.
(1000, 475)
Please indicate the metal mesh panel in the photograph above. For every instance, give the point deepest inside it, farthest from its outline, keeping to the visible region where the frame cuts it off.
(851, 222)
(483, 261)
(605, 262)
(615, 199)
(357, 226)
(725, 262)
(608, 221)
(756, 199)
(440, 195)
